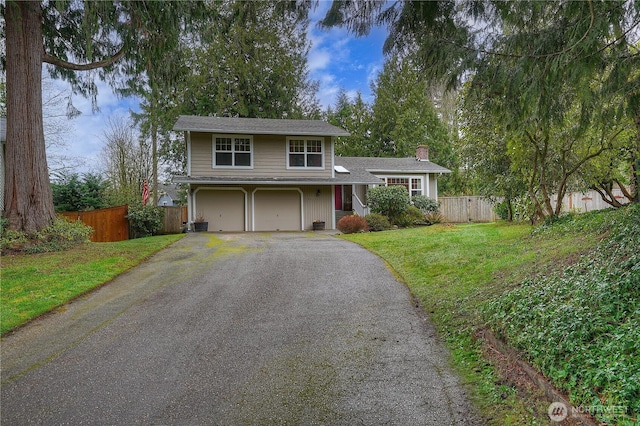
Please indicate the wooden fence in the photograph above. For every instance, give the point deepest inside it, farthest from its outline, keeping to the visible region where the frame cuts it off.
(479, 209)
(587, 201)
(466, 209)
(174, 218)
(108, 224)
(112, 224)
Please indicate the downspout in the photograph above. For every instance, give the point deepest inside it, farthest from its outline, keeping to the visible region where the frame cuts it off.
(333, 158)
(333, 207)
(333, 187)
(190, 196)
(188, 142)
(435, 182)
(428, 184)
(189, 206)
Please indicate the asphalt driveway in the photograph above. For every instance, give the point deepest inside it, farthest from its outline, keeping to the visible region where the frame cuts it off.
(287, 328)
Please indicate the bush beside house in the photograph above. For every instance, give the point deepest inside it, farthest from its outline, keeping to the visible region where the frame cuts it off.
(391, 201)
(377, 222)
(394, 204)
(352, 224)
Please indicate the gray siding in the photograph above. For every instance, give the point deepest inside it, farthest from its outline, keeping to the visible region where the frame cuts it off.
(318, 207)
(433, 186)
(269, 159)
(361, 192)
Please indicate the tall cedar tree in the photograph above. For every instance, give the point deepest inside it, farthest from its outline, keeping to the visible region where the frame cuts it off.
(105, 39)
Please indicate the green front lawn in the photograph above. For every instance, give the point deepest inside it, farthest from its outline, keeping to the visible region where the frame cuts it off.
(34, 284)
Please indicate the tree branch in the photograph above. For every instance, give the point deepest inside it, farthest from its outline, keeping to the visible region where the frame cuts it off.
(82, 67)
(541, 56)
(623, 188)
(611, 201)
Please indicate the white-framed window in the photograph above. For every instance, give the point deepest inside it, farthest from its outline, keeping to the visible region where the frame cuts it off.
(305, 153)
(413, 184)
(233, 151)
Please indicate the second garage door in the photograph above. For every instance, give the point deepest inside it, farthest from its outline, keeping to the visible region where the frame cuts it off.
(223, 209)
(277, 210)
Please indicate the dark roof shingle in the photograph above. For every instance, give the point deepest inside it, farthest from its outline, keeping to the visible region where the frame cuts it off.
(392, 165)
(257, 126)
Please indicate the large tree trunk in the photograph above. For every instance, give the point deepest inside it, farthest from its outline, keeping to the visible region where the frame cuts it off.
(28, 199)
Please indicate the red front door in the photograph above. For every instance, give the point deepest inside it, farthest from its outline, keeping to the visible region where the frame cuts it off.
(338, 199)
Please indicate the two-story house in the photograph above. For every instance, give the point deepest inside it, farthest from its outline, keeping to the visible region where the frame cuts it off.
(250, 174)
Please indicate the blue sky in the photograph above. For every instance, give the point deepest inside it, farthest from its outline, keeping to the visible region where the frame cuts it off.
(339, 60)
(336, 60)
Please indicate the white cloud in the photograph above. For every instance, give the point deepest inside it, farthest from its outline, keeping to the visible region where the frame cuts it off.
(337, 60)
(318, 59)
(85, 140)
(373, 70)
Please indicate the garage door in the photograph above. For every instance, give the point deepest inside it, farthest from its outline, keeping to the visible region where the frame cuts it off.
(277, 210)
(223, 209)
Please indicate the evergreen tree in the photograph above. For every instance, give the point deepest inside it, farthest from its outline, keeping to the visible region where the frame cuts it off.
(356, 118)
(404, 115)
(114, 37)
(247, 60)
(73, 193)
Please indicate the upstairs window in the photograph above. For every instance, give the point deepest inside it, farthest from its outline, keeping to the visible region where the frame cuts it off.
(233, 151)
(305, 153)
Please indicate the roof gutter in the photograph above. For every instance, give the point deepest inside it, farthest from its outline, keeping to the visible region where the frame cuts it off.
(196, 181)
(396, 171)
(260, 132)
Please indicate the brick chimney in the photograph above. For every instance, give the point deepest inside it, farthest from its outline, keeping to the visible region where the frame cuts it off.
(422, 153)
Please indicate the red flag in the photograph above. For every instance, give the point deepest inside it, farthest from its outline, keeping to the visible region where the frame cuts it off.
(145, 192)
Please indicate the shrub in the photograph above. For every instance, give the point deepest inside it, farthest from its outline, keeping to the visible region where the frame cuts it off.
(433, 218)
(377, 222)
(412, 217)
(145, 220)
(60, 235)
(502, 210)
(390, 201)
(351, 224)
(416, 216)
(403, 221)
(425, 204)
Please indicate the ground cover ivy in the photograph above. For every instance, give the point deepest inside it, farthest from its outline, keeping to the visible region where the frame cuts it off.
(581, 327)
